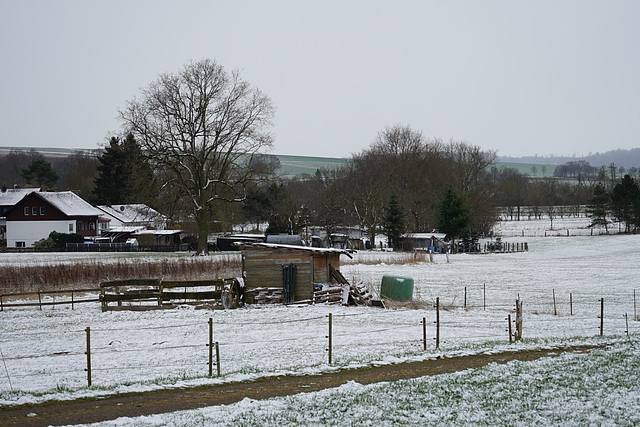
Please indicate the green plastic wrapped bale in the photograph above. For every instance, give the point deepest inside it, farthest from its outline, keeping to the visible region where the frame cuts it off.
(397, 288)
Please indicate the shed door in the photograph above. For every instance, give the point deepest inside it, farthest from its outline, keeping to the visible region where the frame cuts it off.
(288, 282)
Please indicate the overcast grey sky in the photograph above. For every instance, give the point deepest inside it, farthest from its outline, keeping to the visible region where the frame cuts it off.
(520, 77)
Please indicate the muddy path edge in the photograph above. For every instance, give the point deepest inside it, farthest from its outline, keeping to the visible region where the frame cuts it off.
(90, 410)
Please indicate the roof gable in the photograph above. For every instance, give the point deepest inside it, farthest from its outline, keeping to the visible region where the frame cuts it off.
(132, 213)
(70, 203)
(11, 196)
(67, 202)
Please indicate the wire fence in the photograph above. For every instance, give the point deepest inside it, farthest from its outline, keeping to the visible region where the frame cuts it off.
(142, 353)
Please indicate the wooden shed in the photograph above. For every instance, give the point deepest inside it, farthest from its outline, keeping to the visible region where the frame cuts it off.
(265, 265)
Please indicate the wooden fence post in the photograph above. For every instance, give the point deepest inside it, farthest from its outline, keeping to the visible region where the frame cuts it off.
(210, 347)
(510, 331)
(330, 335)
(88, 356)
(437, 322)
(465, 297)
(518, 320)
(601, 316)
(218, 358)
(40, 300)
(485, 296)
(571, 303)
(555, 308)
(160, 289)
(103, 303)
(635, 316)
(424, 333)
(626, 319)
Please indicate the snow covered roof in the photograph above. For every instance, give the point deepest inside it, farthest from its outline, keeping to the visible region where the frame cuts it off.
(124, 229)
(346, 252)
(132, 213)
(158, 232)
(69, 203)
(247, 236)
(11, 196)
(440, 236)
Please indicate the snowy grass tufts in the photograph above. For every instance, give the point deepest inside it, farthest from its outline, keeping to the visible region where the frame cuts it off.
(574, 389)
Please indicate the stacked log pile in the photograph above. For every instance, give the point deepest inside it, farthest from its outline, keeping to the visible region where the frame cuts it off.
(264, 295)
(345, 294)
(359, 294)
(328, 294)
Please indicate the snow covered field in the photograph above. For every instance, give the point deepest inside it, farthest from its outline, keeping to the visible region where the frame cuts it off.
(550, 391)
(44, 357)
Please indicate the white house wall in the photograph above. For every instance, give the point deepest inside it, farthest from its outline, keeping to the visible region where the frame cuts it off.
(30, 232)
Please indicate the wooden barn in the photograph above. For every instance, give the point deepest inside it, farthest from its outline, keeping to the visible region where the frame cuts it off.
(294, 269)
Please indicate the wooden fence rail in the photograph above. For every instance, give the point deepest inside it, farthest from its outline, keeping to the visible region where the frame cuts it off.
(5, 299)
(155, 294)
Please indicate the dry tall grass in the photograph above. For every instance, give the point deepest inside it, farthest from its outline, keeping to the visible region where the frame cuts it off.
(389, 258)
(89, 274)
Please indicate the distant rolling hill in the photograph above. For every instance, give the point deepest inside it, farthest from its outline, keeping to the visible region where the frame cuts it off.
(290, 166)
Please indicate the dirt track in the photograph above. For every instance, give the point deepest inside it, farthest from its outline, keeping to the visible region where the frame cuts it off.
(133, 405)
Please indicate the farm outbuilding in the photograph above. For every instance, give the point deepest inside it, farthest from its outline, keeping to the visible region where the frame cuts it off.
(427, 241)
(295, 269)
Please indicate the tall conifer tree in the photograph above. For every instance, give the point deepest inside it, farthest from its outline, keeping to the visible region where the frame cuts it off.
(599, 207)
(394, 222)
(124, 174)
(41, 173)
(454, 216)
(625, 202)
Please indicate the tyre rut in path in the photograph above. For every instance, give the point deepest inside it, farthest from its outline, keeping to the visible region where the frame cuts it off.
(162, 401)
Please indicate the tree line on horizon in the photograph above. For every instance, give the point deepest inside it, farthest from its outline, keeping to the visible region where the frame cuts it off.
(192, 148)
(626, 158)
(401, 183)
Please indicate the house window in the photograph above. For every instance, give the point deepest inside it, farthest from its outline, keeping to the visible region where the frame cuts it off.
(80, 226)
(34, 210)
(26, 211)
(70, 228)
(41, 210)
(92, 226)
(20, 245)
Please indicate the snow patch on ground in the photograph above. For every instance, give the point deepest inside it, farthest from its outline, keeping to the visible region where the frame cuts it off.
(43, 351)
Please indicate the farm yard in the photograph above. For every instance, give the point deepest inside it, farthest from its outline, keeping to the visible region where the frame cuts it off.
(564, 284)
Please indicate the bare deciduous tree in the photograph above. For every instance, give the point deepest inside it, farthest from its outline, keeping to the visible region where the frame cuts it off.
(202, 127)
(401, 161)
(512, 189)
